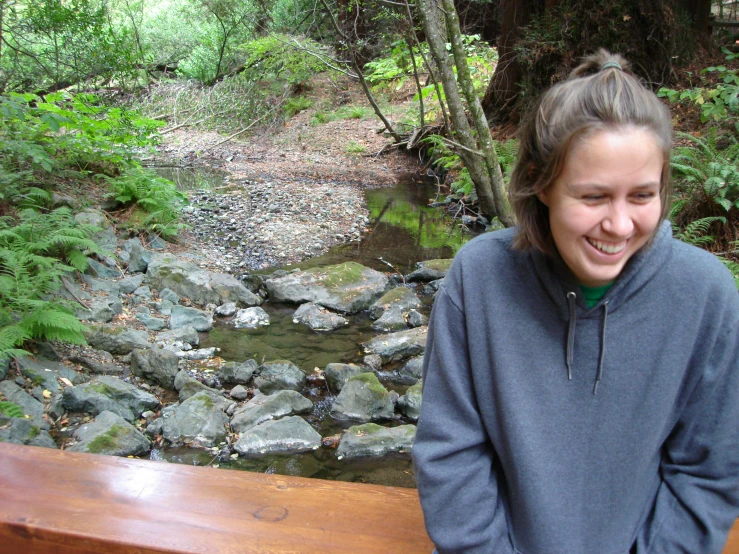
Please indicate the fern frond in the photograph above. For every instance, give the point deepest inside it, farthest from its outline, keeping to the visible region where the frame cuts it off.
(8, 409)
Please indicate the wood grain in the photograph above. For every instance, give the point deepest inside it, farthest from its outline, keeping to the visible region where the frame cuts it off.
(55, 501)
(59, 502)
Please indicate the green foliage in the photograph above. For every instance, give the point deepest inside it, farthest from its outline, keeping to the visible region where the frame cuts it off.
(8, 409)
(353, 147)
(36, 250)
(446, 160)
(696, 232)
(709, 176)
(344, 112)
(53, 44)
(158, 201)
(280, 59)
(719, 99)
(295, 105)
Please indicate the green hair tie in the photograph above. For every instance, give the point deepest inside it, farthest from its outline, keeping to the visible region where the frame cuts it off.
(608, 65)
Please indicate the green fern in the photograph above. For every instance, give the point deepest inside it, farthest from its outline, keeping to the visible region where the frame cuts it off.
(8, 409)
(695, 232)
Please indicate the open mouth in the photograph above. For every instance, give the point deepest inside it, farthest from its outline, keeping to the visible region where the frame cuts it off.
(605, 247)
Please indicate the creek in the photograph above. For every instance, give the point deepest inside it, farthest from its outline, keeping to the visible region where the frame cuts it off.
(402, 231)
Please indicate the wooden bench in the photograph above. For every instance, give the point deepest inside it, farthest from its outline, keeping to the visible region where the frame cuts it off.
(62, 502)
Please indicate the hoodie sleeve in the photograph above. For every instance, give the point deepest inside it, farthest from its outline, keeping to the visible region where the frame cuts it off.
(453, 457)
(698, 499)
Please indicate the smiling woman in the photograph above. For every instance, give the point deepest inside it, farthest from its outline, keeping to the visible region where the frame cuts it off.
(605, 205)
(580, 376)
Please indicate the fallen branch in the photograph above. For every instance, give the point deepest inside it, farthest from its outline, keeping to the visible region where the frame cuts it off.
(244, 130)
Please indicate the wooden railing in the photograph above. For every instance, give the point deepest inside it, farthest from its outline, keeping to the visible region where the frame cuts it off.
(62, 503)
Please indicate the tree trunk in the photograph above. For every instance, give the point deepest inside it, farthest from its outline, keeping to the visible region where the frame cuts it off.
(475, 161)
(503, 90)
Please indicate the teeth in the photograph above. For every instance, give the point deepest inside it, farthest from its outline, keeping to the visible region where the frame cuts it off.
(607, 248)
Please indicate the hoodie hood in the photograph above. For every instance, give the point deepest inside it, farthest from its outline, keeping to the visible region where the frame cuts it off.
(565, 291)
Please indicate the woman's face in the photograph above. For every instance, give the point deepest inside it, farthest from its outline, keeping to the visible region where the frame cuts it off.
(605, 205)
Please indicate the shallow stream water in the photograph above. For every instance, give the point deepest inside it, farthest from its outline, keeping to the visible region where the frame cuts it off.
(402, 231)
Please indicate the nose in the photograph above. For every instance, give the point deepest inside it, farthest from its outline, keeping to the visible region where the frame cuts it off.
(618, 221)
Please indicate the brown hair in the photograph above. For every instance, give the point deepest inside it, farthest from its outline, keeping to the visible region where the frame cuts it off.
(600, 94)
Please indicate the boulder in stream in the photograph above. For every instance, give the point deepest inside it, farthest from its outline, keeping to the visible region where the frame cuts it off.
(250, 318)
(363, 398)
(19, 430)
(111, 435)
(348, 287)
(338, 374)
(265, 407)
(279, 375)
(410, 402)
(402, 299)
(107, 393)
(371, 439)
(398, 346)
(116, 340)
(235, 373)
(182, 316)
(155, 364)
(318, 318)
(287, 435)
(430, 270)
(197, 421)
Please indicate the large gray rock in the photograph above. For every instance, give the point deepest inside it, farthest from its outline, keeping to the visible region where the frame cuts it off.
(30, 406)
(398, 346)
(338, 374)
(182, 335)
(101, 310)
(290, 434)
(101, 271)
(265, 407)
(111, 394)
(129, 284)
(392, 319)
(182, 316)
(410, 372)
(46, 373)
(138, 256)
(105, 238)
(234, 373)
(279, 375)
(410, 402)
(200, 286)
(189, 387)
(318, 318)
(152, 323)
(230, 289)
(197, 421)
(19, 430)
(155, 364)
(111, 435)
(371, 439)
(250, 318)
(363, 398)
(116, 340)
(110, 288)
(400, 298)
(348, 287)
(430, 270)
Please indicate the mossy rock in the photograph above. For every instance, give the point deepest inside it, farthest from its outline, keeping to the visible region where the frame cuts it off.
(363, 398)
(371, 439)
(111, 435)
(349, 287)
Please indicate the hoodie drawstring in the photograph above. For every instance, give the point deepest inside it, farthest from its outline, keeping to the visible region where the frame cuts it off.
(602, 347)
(571, 299)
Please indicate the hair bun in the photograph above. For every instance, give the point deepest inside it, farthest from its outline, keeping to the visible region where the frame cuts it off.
(602, 59)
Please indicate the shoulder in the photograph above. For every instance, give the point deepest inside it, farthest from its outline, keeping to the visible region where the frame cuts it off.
(699, 269)
(486, 248)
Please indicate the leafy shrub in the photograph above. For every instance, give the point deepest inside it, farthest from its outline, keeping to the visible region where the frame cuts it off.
(353, 147)
(158, 201)
(295, 105)
(36, 250)
(718, 100)
(278, 58)
(709, 175)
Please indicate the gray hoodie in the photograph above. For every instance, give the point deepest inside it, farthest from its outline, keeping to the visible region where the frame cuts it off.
(551, 428)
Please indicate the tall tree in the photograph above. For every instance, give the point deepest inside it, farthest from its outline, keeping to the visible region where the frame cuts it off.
(542, 40)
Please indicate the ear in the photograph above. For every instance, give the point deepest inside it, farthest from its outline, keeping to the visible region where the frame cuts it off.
(543, 196)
